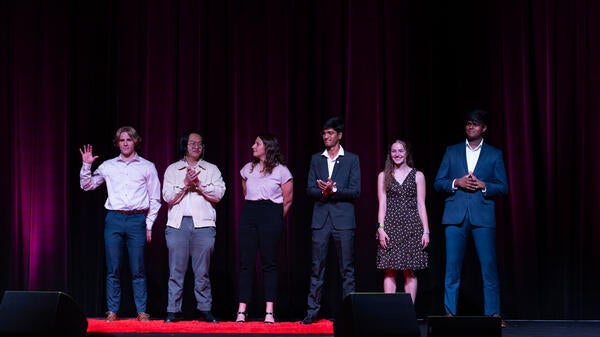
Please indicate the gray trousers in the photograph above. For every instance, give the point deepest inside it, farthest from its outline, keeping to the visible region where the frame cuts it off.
(183, 243)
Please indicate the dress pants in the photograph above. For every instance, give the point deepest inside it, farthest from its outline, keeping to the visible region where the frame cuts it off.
(260, 228)
(125, 231)
(344, 246)
(485, 245)
(185, 242)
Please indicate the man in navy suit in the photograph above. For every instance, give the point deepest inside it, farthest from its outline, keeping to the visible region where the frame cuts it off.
(334, 185)
(472, 173)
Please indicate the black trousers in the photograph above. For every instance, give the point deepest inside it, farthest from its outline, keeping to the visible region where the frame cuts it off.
(343, 240)
(260, 228)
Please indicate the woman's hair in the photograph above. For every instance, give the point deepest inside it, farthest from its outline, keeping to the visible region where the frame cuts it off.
(272, 153)
(137, 139)
(388, 170)
(183, 143)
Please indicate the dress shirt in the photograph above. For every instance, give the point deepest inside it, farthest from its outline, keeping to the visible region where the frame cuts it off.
(131, 185)
(472, 158)
(473, 155)
(331, 162)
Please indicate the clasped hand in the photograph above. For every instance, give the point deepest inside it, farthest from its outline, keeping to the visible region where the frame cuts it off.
(469, 182)
(326, 186)
(191, 178)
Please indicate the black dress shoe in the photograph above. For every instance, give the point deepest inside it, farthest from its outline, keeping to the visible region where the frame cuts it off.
(502, 322)
(208, 316)
(171, 317)
(307, 320)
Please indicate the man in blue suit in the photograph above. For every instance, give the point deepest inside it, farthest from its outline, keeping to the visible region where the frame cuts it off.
(334, 185)
(472, 173)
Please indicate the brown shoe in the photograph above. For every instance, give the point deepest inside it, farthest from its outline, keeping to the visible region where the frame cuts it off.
(143, 317)
(111, 316)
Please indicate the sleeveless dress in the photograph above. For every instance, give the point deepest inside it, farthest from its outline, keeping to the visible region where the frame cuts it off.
(404, 228)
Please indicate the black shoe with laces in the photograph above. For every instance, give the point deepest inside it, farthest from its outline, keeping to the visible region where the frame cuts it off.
(307, 320)
(208, 316)
(171, 317)
(502, 322)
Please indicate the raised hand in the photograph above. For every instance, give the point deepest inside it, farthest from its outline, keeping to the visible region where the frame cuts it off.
(86, 154)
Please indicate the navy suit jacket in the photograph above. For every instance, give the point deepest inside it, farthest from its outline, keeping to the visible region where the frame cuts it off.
(339, 205)
(477, 205)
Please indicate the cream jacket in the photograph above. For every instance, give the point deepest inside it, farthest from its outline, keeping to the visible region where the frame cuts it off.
(202, 197)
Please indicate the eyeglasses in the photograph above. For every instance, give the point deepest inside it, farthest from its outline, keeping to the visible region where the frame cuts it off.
(195, 145)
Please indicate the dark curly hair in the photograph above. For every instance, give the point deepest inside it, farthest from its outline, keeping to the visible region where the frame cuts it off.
(272, 152)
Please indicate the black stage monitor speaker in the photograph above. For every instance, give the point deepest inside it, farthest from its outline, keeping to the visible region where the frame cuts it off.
(376, 315)
(41, 313)
(463, 326)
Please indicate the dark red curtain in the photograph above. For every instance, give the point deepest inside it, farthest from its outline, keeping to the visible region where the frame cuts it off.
(71, 72)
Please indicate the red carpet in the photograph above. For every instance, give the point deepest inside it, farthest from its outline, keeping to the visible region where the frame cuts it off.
(322, 327)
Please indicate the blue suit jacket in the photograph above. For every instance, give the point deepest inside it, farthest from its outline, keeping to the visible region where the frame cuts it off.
(339, 205)
(477, 205)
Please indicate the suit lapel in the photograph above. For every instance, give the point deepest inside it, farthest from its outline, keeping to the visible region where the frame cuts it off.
(338, 162)
(483, 154)
(463, 155)
(323, 170)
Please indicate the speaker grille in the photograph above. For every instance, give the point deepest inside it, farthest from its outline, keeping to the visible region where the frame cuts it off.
(377, 315)
(40, 313)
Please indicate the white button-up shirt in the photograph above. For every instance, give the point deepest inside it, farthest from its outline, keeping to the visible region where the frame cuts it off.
(131, 185)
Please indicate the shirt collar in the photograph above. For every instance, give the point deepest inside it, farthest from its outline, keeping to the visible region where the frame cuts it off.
(136, 157)
(340, 152)
(476, 148)
(200, 164)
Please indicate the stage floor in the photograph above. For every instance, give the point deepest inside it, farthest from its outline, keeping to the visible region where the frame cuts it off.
(515, 328)
(551, 329)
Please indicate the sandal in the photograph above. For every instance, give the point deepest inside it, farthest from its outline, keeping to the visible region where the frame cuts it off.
(243, 317)
(269, 321)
